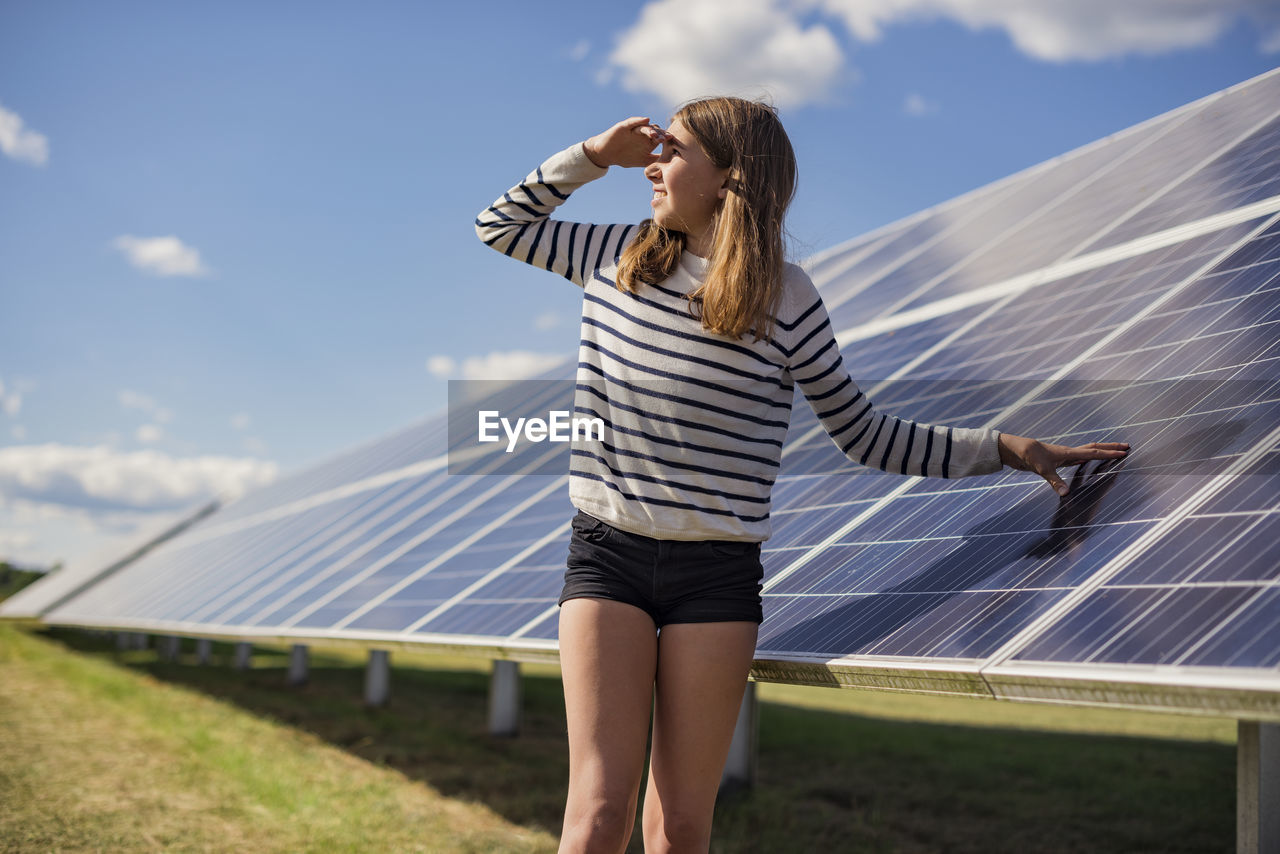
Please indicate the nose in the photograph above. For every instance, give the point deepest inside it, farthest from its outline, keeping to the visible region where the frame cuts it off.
(653, 171)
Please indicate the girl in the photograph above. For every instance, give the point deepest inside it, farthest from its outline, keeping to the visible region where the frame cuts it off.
(695, 331)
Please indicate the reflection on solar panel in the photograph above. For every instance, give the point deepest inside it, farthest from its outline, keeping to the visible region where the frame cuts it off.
(1127, 291)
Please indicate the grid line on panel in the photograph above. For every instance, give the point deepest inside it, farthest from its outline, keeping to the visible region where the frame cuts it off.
(458, 513)
(1017, 285)
(462, 544)
(292, 595)
(839, 534)
(513, 561)
(272, 544)
(299, 505)
(1173, 118)
(345, 540)
(1215, 485)
(1143, 217)
(1052, 207)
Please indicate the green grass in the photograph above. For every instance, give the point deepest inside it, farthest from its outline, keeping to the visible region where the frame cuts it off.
(103, 750)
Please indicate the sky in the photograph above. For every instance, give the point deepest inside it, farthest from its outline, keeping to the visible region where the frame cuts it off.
(237, 238)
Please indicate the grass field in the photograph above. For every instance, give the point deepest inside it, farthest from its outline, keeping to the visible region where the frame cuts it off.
(116, 751)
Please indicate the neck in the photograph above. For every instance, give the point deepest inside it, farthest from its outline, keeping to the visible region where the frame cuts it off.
(698, 244)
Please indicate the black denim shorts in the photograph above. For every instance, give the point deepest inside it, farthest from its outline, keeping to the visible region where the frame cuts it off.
(674, 581)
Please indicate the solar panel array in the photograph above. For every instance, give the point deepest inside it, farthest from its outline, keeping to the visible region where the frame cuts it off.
(1127, 291)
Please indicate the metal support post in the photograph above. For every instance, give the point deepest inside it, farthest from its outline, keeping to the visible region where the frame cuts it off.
(740, 768)
(168, 646)
(243, 653)
(377, 678)
(123, 640)
(1257, 788)
(204, 650)
(504, 698)
(298, 664)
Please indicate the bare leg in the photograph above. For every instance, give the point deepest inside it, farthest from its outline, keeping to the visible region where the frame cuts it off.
(608, 657)
(702, 674)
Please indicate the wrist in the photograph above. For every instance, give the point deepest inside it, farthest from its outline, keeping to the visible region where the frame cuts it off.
(594, 155)
(1008, 456)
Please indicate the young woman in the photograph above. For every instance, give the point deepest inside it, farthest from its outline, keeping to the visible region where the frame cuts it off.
(695, 332)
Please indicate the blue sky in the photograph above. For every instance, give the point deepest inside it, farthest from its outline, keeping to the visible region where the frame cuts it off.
(236, 238)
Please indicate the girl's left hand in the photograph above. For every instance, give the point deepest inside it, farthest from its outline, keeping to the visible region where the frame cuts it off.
(1025, 454)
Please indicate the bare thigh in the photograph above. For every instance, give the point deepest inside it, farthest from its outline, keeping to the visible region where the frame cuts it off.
(702, 674)
(608, 658)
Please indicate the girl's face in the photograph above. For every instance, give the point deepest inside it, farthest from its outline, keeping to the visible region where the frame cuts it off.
(687, 187)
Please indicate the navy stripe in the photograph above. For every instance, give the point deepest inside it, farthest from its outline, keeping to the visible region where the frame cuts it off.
(701, 340)
(673, 484)
(573, 234)
(664, 502)
(583, 269)
(831, 342)
(559, 195)
(675, 443)
(687, 380)
(823, 416)
(870, 445)
(604, 241)
(928, 451)
(533, 244)
(888, 449)
(674, 354)
(684, 401)
(854, 420)
(528, 191)
(865, 427)
(535, 214)
(911, 439)
(946, 456)
(738, 436)
(515, 240)
(555, 243)
(672, 464)
(622, 241)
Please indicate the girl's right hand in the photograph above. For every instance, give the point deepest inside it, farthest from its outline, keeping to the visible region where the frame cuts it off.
(628, 143)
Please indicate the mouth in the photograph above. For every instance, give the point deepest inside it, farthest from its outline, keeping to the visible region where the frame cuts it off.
(658, 195)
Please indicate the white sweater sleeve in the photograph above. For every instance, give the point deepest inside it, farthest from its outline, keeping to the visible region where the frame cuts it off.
(864, 435)
(519, 223)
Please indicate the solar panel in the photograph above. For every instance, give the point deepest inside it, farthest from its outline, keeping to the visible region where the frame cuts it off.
(1129, 291)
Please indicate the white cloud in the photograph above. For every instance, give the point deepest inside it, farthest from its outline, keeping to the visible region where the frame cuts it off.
(102, 478)
(130, 399)
(1059, 31)
(11, 403)
(546, 320)
(580, 50)
(12, 542)
(240, 421)
(917, 105)
(149, 434)
(442, 367)
(161, 256)
(39, 534)
(681, 49)
(500, 365)
(22, 143)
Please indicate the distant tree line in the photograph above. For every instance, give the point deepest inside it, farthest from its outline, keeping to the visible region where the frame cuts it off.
(14, 578)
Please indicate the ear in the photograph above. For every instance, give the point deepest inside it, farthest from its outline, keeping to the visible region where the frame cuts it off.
(730, 183)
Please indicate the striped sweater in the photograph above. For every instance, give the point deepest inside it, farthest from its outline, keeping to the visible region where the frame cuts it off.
(695, 421)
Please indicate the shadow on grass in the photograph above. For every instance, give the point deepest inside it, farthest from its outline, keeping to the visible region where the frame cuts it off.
(827, 780)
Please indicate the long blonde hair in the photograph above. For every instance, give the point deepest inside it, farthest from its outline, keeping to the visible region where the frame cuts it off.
(743, 285)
